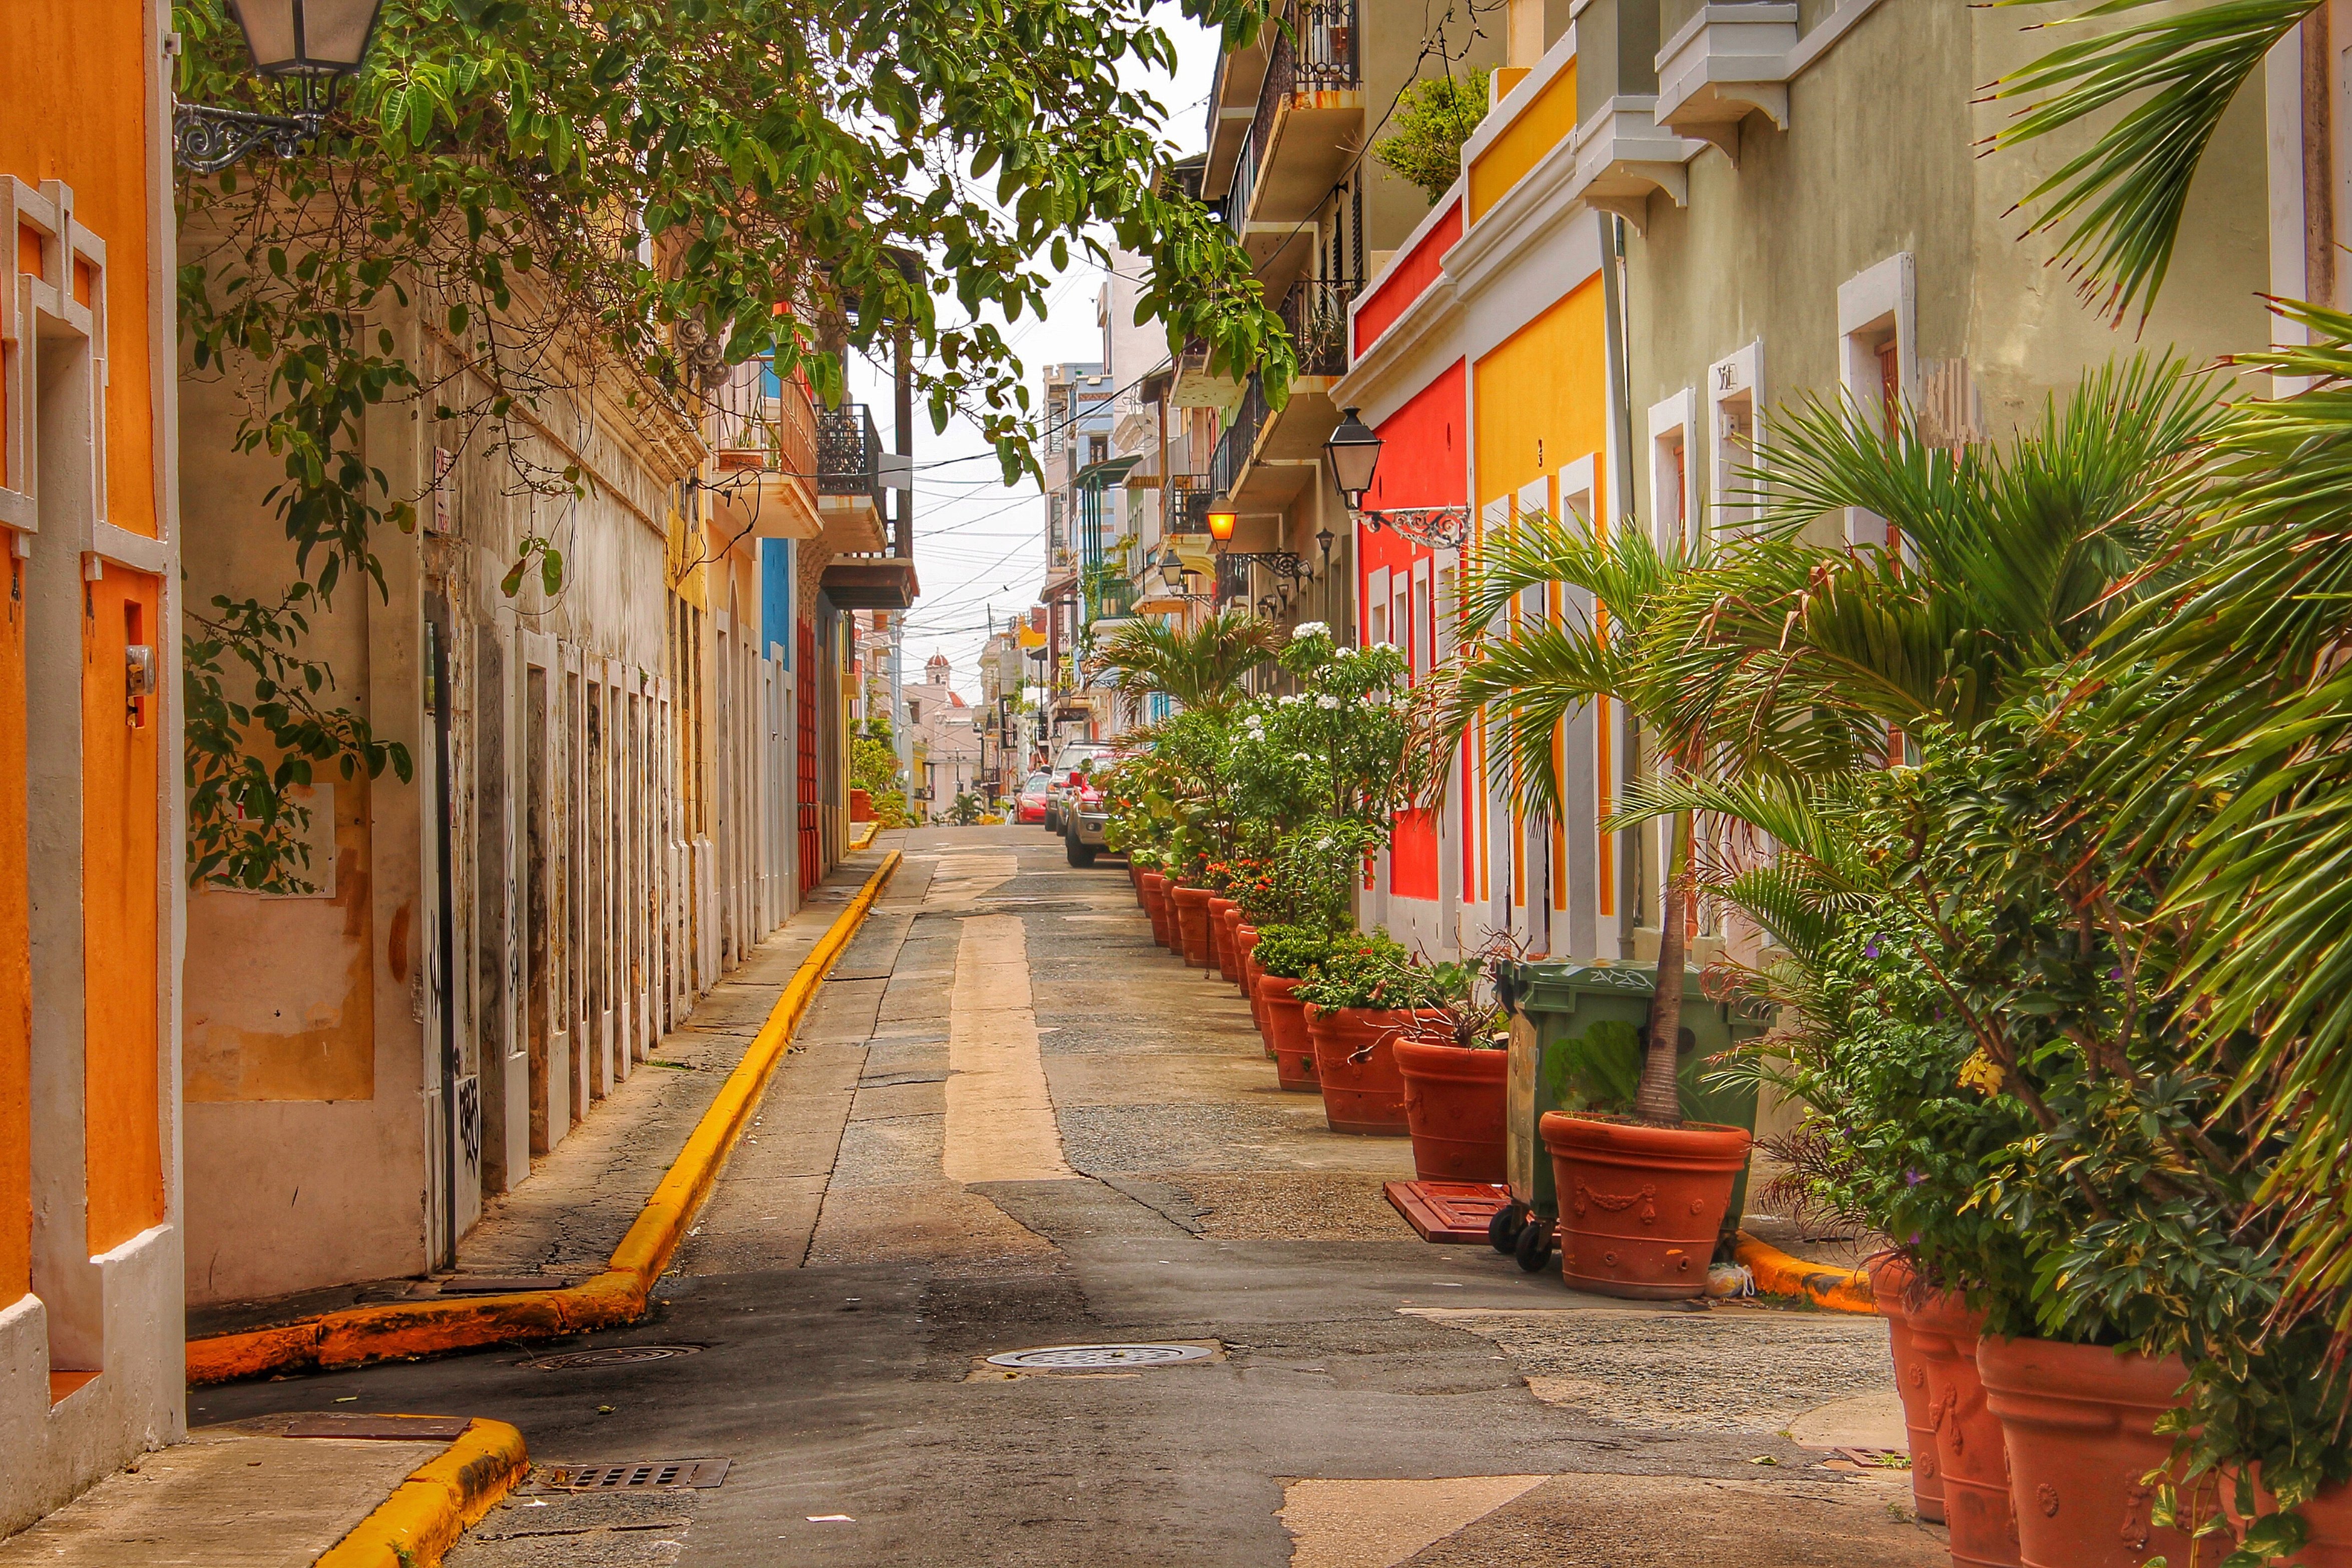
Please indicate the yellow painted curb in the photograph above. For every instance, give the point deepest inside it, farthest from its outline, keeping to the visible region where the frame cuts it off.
(1778, 1274)
(618, 1296)
(427, 1512)
(865, 839)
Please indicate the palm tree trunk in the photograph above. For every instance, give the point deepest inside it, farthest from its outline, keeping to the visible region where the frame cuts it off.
(1659, 1101)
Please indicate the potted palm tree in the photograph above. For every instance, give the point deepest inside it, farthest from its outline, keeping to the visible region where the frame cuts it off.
(1642, 1193)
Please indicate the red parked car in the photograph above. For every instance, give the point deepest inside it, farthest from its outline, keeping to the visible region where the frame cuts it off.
(1029, 806)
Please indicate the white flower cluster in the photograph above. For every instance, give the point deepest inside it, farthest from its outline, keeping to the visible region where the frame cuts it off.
(1309, 629)
(1327, 701)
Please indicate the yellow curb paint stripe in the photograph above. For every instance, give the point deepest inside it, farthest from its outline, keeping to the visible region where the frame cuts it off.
(618, 1296)
(865, 838)
(427, 1512)
(1779, 1274)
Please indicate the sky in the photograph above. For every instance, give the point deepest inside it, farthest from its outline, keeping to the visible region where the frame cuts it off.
(979, 544)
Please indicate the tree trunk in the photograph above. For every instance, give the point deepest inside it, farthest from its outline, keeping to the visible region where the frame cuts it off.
(1659, 1101)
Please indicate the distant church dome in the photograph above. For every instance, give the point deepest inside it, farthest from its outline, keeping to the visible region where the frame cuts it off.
(935, 670)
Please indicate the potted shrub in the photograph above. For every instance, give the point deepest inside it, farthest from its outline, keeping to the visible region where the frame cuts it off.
(1360, 997)
(1456, 1065)
(1286, 955)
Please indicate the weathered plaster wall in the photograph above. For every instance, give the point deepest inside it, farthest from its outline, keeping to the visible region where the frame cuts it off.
(1881, 158)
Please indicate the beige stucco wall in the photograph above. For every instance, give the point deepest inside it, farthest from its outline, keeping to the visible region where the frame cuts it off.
(1881, 157)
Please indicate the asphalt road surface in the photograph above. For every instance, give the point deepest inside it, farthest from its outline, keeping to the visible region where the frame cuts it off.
(1013, 1122)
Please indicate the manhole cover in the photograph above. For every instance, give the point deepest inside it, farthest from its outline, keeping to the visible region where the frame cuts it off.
(635, 1473)
(610, 1355)
(1078, 1357)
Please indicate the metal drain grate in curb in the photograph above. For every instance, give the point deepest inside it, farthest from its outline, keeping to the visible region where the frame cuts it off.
(636, 1474)
(609, 1355)
(1096, 1358)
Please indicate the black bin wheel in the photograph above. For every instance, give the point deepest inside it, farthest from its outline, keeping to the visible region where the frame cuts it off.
(1534, 1249)
(1503, 1228)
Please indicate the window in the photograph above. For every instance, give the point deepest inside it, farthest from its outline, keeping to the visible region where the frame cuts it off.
(1098, 449)
(1878, 357)
(1733, 386)
(1673, 506)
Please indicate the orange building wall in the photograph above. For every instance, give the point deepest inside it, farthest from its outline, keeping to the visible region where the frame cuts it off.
(61, 125)
(16, 961)
(121, 1110)
(1535, 131)
(1542, 397)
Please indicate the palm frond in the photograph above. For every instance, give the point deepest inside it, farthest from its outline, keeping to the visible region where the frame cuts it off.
(2120, 200)
(1198, 667)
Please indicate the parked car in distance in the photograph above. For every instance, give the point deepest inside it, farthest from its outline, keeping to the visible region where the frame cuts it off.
(1084, 815)
(1072, 755)
(1029, 806)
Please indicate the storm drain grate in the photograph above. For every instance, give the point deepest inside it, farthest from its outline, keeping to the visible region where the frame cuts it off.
(609, 1355)
(635, 1473)
(1087, 1357)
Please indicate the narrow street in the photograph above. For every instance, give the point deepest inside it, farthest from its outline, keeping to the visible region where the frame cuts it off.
(1012, 1121)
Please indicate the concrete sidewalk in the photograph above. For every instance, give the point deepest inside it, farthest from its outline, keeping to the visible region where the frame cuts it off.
(562, 1225)
(255, 1494)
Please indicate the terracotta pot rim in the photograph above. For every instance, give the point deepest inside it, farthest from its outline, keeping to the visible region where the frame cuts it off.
(1443, 1060)
(1568, 1131)
(2040, 1369)
(1266, 983)
(1197, 895)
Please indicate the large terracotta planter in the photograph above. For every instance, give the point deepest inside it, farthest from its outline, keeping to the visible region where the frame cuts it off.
(1892, 1282)
(1640, 1206)
(2327, 1518)
(1235, 970)
(1223, 913)
(1191, 925)
(1454, 1102)
(1971, 1460)
(1286, 1033)
(1367, 1096)
(2079, 1424)
(1246, 943)
(1155, 904)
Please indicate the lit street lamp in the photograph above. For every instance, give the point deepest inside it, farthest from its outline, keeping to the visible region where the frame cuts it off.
(313, 44)
(1354, 453)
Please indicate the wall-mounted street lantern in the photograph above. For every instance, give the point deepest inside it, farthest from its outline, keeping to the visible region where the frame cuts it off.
(1222, 519)
(1173, 572)
(1354, 453)
(307, 47)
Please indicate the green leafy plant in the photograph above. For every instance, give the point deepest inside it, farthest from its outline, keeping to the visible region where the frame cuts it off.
(1369, 970)
(535, 190)
(1291, 952)
(1433, 119)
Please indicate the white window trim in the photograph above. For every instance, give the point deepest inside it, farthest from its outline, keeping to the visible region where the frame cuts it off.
(1676, 416)
(1880, 298)
(1376, 597)
(1575, 479)
(1737, 376)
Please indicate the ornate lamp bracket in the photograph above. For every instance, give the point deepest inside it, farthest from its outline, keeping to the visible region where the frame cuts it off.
(206, 140)
(1439, 527)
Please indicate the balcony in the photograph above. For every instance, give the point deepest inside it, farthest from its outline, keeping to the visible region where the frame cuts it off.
(1188, 497)
(1316, 313)
(767, 454)
(1307, 124)
(869, 569)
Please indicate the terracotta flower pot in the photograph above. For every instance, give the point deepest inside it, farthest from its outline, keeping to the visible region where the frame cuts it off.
(1891, 1280)
(1191, 927)
(1365, 1096)
(1970, 1458)
(2079, 1423)
(2327, 1518)
(1453, 1102)
(1286, 1033)
(1155, 904)
(1235, 970)
(1223, 913)
(1640, 1206)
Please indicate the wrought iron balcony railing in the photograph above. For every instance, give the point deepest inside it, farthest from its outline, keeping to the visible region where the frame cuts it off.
(1316, 312)
(849, 452)
(1240, 439)
(1314, 51)
(1187, 497)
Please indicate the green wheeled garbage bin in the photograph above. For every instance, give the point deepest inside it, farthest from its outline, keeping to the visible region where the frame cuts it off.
(1578, 1032)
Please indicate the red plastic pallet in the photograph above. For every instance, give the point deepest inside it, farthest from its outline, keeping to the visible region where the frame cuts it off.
(1448, 1211)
